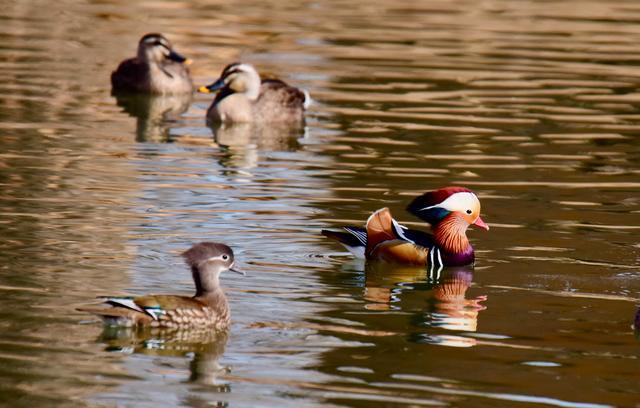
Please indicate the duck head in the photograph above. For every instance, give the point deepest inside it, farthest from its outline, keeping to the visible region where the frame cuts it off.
(237, 78)
(155, 48)
(207, 261)
(453, 203)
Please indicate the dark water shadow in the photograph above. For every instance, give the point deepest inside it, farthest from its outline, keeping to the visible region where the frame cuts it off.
(153, 113)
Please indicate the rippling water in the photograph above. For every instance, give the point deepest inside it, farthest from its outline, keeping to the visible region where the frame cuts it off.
(533, 104)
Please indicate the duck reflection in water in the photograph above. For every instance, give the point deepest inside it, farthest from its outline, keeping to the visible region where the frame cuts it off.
(447, 307)
(636, 324)
(244, 141)
(154, 114)
(206, 346)
(385, 283)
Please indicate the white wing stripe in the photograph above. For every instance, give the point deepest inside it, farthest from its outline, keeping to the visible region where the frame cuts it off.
(128, 303)
(399, 230)
(360, 235)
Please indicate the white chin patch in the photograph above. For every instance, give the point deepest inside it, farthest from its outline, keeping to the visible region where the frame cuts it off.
(461, 202)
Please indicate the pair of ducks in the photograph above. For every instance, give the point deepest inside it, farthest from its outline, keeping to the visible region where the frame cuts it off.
(242, 96)
(450, 211)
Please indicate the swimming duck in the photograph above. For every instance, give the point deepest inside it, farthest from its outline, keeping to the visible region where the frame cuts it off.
(157, 69)
(449, 210)
(207, 308)
(244, 97)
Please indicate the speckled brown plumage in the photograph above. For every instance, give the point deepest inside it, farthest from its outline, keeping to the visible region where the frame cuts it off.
(208, 308)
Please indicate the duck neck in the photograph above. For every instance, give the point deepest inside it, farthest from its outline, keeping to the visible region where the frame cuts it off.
(207, 281)
(253, 90)
(451, 235)
(252, 84)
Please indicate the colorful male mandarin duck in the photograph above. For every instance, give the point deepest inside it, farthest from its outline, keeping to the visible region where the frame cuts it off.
(244, 98)
(449, 210)
(157, 69)
(208, 308)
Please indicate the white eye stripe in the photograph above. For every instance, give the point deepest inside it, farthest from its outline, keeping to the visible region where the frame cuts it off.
(223, 257)
(458, 202)
(158, 42)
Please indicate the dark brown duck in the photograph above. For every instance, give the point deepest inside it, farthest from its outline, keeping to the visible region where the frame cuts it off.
(157, 69)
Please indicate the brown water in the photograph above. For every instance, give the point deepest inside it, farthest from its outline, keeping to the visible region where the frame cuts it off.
(533, 104)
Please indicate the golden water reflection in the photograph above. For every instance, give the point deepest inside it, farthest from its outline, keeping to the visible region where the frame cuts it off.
(154, 114)
(444, 292)
(532, 104)
(203, 347)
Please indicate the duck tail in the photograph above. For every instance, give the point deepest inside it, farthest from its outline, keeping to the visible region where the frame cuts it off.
(350, 241)
(115, 316)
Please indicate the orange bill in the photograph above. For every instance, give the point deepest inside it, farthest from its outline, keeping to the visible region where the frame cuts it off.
(481, 224)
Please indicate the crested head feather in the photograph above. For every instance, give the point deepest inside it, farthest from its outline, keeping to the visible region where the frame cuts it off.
(435, 197)
(205, 250)
(426, 207)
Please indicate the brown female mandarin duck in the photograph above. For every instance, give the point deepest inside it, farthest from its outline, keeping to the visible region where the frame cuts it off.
(449, 210)
(157, 69)
(244, 97)
(207, 308)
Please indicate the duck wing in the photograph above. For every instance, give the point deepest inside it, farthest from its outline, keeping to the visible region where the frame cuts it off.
(384, 238)
(128, 310)
(131, 75)
(386, 243)
(279, 99)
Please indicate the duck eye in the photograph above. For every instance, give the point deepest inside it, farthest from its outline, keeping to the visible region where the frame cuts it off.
(469, 212)
(225, 257)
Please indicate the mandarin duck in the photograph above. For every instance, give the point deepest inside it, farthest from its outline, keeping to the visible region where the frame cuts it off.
(243, 97)
(449, 210)
(157, 69)
(207, 308)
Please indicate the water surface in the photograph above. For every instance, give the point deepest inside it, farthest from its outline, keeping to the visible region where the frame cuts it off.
(532, 104)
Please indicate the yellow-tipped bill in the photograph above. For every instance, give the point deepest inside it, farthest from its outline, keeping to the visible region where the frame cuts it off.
(216, 86)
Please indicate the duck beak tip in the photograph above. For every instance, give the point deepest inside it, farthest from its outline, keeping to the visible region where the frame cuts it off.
(238, 271)
(480, 223)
